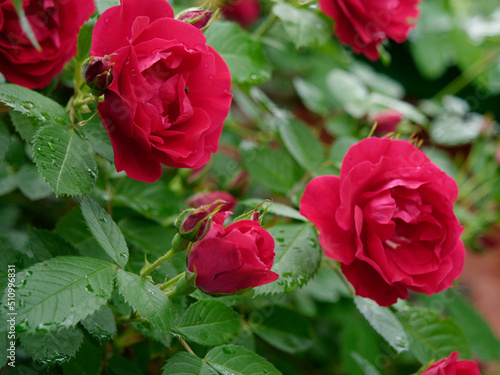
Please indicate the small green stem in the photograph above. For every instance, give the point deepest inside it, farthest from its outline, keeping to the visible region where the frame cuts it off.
(146, 271)
(341, 276)
(173, 280)
(186, 346)
(265, 25)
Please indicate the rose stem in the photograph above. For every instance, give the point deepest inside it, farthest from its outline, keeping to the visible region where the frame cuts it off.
(173, 280)
(146, 271)
(265, 25)
(185, 345)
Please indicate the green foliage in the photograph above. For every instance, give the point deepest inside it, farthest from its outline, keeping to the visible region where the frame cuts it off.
(283, 328)
(105, 231)
(384, 322)
(242, 54)
(62, 291)
(101, 324)
(432, 337)
(64, 160)
(33, 104)
(147, 299)
(303, 26)
(54, 347)
(298, 255)
(187, 364)
(231, 359)
(209, 323)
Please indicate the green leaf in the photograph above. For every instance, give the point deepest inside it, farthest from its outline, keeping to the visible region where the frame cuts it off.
(298, 255)
(274, 208)
(366, 366)
(52, 348)
(97, 137)
(105, 231)
(242, 54)
(377, 101)
(283, 328)
(62, 291)
(432, 337)
(25, 25)
(103, 5)
(85, 40)
(209, 323)
(8, 180)
(4, 139)
(347, 91)
(187, 364)
(454, 130)
(101, 324)
(481, 339)
(236, 360)
(149, 236)
(384, 322)
(33, 104)
(147, 300)
(64, 160)
(313, 97)
(31, 184)
(302, 144)
(25, 126)
(273, 168)
(303, 26)
(5, 345)
(45, 245)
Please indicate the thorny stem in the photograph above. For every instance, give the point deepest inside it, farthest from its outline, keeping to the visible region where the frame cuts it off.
(185, 345)
(173, 280)
(146, 271)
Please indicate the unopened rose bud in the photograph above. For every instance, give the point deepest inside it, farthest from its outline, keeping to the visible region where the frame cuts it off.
(199, 18)
(97, 74)
(201, 199)
(387, 121)
(194, 223)
(245, 12)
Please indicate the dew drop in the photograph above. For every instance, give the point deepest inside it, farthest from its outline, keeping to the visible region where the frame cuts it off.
(211, 76)
(253, 76)
(103, 220)
(89, 288)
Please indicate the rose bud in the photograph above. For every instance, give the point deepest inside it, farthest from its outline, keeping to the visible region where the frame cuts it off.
(97, 74)
(388, 219)
(387, 121)
(452, 366)
(245, 12)
(234, 258)
(194, 223)
(201, 199)
(199, 18)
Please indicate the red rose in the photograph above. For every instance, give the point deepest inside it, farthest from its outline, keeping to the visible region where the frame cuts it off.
(245, 12)
(387, 121)
(55, 25)
(365, 24)
(229, 259)
(388, 219)
(451, 366)
(170, 91)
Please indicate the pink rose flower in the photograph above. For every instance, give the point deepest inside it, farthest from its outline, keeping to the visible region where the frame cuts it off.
(452, 366)
(365, 24)
(202, 199)
(388, 219)
(170, 91)
(55, 25)
(230, 259)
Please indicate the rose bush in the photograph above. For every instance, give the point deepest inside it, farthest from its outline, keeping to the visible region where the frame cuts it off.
(230, 259)
(365, 24)
(55, 25)
(452, 366)
(388, 219)
(170, 91)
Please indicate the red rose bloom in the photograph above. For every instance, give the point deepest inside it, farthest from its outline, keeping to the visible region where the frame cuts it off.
(170, 91)
(55, 24)
(245, 12)
(388, 219)
(387, 121)
(451, 366)
(234, 258)
(365, 24)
